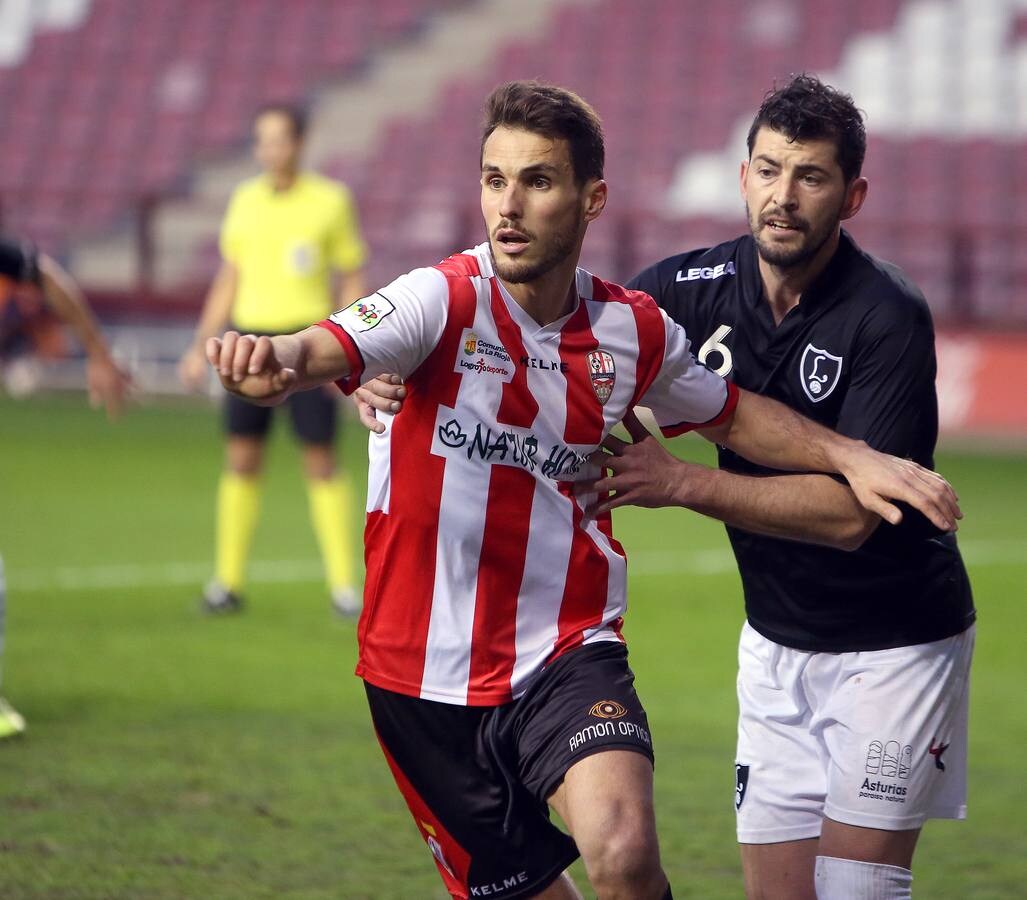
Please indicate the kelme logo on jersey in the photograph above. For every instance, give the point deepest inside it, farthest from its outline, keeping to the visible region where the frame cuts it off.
(607, 709)
(819, 372)
(603, 373)
(365, 314)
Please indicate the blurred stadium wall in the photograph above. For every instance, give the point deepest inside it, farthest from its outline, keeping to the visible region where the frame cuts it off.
(126, 127)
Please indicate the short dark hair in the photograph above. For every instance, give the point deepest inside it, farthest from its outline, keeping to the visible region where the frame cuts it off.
(806, 109)
(552, 112)
(296, 115)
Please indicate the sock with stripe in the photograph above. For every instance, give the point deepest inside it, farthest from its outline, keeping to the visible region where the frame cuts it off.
(331, 505)
(850, 879)
(237, 508)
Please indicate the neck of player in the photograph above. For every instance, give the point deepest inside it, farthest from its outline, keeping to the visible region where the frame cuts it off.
(784, 286)
(549, 297)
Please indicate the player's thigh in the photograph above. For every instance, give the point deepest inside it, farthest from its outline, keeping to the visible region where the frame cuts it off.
(780, 871)
(487, 834)
(780, 766)
(314, 415)
(895, 728)
(584, 745)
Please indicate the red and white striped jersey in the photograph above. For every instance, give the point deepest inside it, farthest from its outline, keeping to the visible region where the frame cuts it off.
(482, 566)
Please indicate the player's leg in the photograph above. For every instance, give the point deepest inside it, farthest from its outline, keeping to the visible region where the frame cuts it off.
(583, 744)
(856, 863)
(606, 800)
(238, 501)
(11, 722)
(314, 415)
(487, 834)
(780, 782)
(894, 725)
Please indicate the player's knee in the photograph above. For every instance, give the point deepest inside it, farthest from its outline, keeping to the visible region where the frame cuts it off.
(624, 861)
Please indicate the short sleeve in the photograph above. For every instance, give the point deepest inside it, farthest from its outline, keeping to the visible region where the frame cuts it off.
(230, 238)
(685, 394)
(346, 248)
(394, 329)
(19, 261)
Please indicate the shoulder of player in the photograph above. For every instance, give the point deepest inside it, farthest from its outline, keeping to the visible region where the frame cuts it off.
(691, 269)
(886, 296)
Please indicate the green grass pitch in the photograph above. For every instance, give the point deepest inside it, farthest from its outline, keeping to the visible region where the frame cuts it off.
(173, 756)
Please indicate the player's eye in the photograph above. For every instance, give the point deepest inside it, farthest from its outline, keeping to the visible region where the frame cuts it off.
(540, 183)
(811, 180)
(495, 183)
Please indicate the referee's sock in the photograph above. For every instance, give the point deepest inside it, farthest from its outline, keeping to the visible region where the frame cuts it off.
(331, 505)
(237, 507)
(850, 879)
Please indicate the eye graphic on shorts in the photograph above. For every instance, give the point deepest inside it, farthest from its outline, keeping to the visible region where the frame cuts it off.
(607, 709)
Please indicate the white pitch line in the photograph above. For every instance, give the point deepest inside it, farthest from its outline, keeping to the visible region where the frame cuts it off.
(710, 561)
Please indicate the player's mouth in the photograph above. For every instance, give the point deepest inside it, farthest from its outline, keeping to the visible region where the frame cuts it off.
(511, 241)
(783, 226)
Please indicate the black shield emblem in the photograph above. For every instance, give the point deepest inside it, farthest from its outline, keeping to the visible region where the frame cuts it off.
(741, 783)
(819, 372)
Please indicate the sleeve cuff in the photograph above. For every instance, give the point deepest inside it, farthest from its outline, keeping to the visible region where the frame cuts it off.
(730, 402)
(356, 362)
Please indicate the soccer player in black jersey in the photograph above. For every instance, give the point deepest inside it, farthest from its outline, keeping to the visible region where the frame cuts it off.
(854, 662)
(21, 264)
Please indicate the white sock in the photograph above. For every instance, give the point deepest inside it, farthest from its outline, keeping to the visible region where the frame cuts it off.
(849, 879)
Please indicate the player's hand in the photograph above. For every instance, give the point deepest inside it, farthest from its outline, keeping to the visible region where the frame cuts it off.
(193, 368)
(385, 393)
(642, 473)
(877, 478)
(108, 385)
(247, 366)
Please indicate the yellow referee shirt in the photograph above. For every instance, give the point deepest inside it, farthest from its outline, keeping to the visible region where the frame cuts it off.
(284, 245)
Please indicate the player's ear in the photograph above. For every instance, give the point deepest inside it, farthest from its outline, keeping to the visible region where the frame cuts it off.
(743, 170)
(595, 198)
(855, 195)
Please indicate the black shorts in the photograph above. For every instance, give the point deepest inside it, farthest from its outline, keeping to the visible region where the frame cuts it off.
(476, 778)
(313, 415)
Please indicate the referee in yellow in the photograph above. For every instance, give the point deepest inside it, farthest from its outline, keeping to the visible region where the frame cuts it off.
(285, 232)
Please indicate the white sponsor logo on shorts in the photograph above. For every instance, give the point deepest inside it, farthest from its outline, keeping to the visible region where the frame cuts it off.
(609, 729)
(496, 888)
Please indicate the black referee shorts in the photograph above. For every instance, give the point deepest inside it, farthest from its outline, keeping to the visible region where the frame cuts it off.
(476, 779)
(314, 414)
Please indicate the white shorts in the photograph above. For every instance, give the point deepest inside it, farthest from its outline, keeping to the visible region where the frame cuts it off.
(874, 738)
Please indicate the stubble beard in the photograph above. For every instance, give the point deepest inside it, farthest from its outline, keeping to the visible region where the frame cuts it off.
(792, 257)
(561, 245)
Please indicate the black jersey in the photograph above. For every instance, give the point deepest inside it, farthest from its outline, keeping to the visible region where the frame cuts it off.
(857, 355)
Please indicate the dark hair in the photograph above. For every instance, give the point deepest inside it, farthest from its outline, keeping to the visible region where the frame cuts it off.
(806, 109)
(296, 115)
(552, 112)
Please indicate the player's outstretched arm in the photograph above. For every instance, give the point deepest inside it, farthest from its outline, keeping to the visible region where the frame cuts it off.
(812, 508)
(108, 385)
(770, 434)
(266, 370)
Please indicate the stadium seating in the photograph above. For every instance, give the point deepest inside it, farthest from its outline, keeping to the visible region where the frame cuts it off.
(121, 106)
(161, 85)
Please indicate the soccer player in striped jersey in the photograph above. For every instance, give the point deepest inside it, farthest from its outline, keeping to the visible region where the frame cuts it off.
(491, 639)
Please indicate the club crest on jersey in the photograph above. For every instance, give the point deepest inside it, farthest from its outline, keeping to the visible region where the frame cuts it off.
(364, 314)
(603, 374)
(819, 372)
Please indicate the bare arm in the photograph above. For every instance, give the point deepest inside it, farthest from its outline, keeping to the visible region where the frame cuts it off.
(770, 434)
(352, 286)
(107, 384)
(217, 309)
(266, 370)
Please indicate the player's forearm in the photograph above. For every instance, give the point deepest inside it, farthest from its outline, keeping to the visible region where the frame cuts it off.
(68, 301)
(770, 434)
(217, 307)
(811, 508)
(315, 356)
(352, 286)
